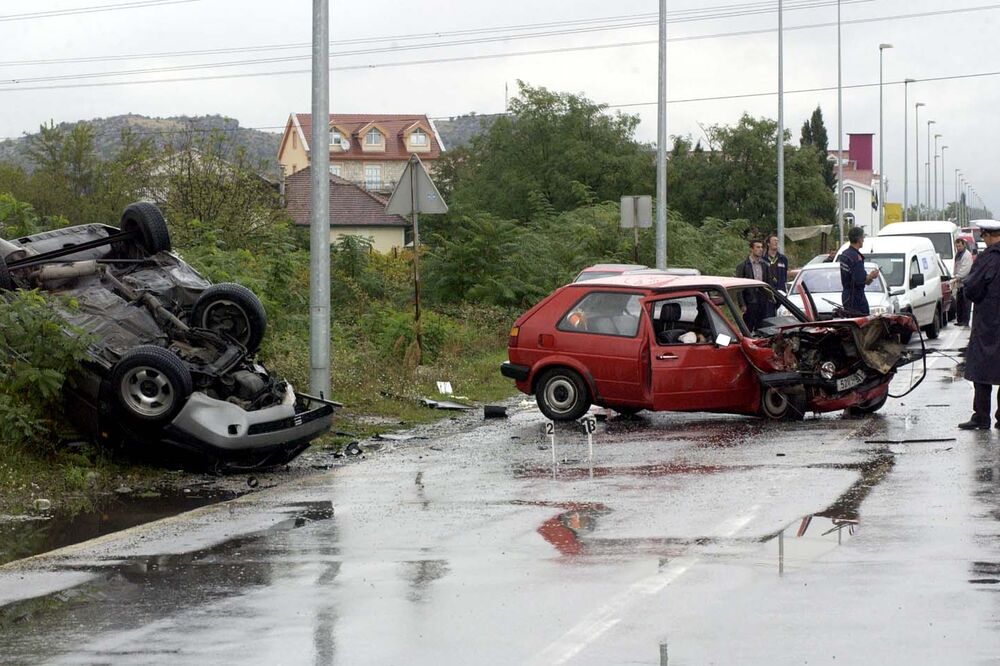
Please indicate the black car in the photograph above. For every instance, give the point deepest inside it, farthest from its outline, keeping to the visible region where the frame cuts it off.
(171, 357)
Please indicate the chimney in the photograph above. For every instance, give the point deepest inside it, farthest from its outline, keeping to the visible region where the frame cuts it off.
(859, 151)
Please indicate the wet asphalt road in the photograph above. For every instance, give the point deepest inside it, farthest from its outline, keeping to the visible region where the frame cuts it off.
(690, 539)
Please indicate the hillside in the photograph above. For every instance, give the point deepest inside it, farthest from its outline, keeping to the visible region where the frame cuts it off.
(261, 146)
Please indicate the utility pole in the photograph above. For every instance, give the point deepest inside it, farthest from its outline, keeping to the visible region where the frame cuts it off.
(781, 134)
(958, 206)
(881, 142)
(906, 149)
(661, 145)
(944, 197)
(936, 137)
(929, 123)
(840, 136)
(319, 221)
(916, 152)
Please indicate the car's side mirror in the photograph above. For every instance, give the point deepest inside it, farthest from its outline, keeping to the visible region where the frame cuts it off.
(916, 280)
(723, 340)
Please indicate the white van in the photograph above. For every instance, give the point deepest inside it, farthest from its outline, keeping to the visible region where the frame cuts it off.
(910, 268)
(941, 233)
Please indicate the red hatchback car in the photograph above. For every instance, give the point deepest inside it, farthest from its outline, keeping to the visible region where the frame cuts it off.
(683, 344)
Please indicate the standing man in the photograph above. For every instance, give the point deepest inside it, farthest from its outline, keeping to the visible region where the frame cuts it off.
(777, 265)
(982, 287)
(963, 264)
(752, 301)
(853, 278)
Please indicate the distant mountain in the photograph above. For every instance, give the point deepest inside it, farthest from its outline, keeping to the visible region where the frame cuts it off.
(260, 146)
(459, 130)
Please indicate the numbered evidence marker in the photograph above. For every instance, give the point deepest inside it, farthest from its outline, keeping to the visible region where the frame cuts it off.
(590, 425)
(550, 430)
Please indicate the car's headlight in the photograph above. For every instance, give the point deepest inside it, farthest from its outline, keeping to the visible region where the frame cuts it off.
(879, 310)
(827, 370)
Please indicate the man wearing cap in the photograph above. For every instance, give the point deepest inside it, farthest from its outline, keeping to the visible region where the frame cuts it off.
(853, 278)
(982, 287)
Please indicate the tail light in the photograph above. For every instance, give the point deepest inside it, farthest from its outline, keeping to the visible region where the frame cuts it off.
(512, 340)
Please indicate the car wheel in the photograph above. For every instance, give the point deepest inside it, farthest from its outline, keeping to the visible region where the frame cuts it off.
(871, 406)
(6, 281)
(147, 219)
(562, 395)
(785, 405)
(150, 384)
(232, 309)
(934, 328)
(944, 319)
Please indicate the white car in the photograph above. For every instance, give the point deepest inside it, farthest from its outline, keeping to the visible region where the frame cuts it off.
(941, 233)
(823, 282)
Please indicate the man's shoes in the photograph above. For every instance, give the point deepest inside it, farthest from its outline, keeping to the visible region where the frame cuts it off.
(973, 424)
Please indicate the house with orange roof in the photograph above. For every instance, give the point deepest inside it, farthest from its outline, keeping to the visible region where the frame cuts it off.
(370, 150)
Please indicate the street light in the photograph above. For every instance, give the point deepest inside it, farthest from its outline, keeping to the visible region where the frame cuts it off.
(781, 133)
(906, 149)
(840, 135)
(916, 151)
(958, 207)
(944, 203)
(936, 137)
(929, 123)
(881, 142)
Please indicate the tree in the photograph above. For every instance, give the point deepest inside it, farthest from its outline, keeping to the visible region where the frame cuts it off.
(547, 142)
(814, 135)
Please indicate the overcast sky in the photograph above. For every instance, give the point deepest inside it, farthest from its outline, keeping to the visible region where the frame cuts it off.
(715, 65)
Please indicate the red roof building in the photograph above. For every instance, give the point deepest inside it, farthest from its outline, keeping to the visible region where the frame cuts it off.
(354, 211)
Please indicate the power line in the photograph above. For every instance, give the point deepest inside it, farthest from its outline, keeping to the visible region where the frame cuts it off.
(93, 9)
(592, 47)
(604, 22)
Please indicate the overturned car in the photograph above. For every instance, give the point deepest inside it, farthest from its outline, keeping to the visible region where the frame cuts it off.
(682, 343)
(171, 356)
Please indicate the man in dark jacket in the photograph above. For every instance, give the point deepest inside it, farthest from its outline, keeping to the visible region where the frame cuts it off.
(753, 303)
(982, 287)
(853, 278)
(777, 265)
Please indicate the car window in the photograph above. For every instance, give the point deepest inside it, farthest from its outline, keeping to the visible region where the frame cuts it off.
(685, 320)
(892, 267)
(604, 313)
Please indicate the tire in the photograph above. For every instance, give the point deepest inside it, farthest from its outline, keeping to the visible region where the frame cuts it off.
(232, 309)
(782, 405)
(944, 319)
(146, 218)
(150, 385)
(6, 281)
(871, 406)
(934, 328)
(562, 395)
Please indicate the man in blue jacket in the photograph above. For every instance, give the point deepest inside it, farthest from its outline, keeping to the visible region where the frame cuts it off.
(853, 278)
(982, 287)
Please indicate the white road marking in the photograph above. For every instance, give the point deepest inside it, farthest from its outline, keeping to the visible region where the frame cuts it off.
(599, 621)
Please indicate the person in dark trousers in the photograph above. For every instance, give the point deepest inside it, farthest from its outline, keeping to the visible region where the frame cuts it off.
(982, 287)
(753, 302)
(777, 265)
(853, 278)
(963, 264)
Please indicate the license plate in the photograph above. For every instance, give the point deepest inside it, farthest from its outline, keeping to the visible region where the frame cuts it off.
(849, 382)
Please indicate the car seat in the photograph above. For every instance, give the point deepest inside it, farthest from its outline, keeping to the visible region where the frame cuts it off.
(670, 314)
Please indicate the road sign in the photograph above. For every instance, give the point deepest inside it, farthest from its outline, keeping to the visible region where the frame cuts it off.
(636, 212)
(415, 192)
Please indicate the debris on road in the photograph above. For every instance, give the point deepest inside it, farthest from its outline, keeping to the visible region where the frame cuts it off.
(910, 441)
(353, 449)
(443, 404)
(494, 412)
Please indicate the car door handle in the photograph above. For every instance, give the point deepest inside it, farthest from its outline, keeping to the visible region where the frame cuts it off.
(666, 357)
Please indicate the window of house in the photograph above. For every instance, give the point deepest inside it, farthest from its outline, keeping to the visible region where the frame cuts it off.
(849, 221)
(604, 313)
(418, 138)
(849, 198)
(335, 137)
(335, 170)
(373, 137)
(373, 176)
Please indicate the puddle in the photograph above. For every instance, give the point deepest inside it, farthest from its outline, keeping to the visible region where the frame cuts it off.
(48, 531)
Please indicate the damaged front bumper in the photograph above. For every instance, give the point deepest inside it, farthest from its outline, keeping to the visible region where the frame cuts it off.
(227, 427)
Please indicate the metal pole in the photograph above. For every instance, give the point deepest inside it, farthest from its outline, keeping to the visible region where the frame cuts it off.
(936, 137)
(781, 134)
(661, 145)
(916, 151)
(416, 257)
(958, 208)
(319, 221)
(881, 142)
(929, 123)
(944, 203)
(906, 149)
(840, 136)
